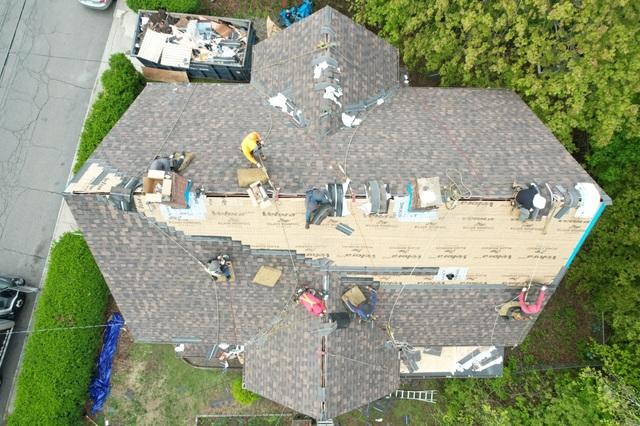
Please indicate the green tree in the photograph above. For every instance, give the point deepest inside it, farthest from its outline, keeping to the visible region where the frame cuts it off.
(609, 266)
(575, 63)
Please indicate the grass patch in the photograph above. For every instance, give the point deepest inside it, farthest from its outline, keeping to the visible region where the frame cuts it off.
(180, 6)
(121, 84)
(263, 8)
(418, 412)
(243, 396)
(53, 384)
(244, 420)
(151, 386)
(562, 332)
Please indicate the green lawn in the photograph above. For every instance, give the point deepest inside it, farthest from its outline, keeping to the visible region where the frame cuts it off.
(152, 386)
(263, 8)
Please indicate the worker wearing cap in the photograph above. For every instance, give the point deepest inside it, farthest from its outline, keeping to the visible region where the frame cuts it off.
(530, 202)
(252, 148)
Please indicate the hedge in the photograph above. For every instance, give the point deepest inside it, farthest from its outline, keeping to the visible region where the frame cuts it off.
(181, 6)
(57, 366)
(121, 84)
(243, 396)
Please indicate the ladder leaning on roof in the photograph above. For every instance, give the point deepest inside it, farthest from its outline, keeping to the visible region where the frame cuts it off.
(426, 396)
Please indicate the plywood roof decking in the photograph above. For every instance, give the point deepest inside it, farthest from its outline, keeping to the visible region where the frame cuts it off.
(94, 178)
(484, 236)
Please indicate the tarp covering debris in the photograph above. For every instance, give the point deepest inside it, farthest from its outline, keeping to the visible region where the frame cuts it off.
(100, 385)
(291, 15)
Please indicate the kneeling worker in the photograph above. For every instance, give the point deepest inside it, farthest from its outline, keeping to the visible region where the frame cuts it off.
(530, 202)
(314, 198)
(252, 148)
(171, 163)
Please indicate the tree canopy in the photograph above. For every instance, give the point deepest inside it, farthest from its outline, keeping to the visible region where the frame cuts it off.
(576, 63)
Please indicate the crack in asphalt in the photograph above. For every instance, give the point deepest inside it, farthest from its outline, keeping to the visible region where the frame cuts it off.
(28, 87)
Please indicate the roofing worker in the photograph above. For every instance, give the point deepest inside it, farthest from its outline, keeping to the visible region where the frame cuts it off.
(313, 199)
(220, 266)
(530, 202)
(252, 148)
(531, 309)
(168, 163)
(309, 298)
(366, 308)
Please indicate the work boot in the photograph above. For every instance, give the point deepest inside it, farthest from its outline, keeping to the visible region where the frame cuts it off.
(306, 226)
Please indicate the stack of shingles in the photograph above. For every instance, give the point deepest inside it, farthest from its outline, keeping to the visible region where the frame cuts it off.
(173, 41)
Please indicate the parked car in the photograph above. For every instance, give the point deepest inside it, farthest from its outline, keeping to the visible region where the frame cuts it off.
(6, 328)
(97, 4)
(12, 295)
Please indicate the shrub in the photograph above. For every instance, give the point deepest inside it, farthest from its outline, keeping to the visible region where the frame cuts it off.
(182, 6)
(53, 384)
(243, 396)
(121, 84)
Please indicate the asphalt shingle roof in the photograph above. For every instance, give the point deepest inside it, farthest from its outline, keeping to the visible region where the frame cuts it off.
(164, 293)
(366, 66)
(489, 136)
(321, 376)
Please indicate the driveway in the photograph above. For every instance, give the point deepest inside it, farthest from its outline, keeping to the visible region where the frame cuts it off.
(50, 52)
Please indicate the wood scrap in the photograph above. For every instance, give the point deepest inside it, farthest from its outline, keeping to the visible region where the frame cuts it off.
(222, 29)
(165, 76)
(248, 176)
(272, 27)
(267, 276)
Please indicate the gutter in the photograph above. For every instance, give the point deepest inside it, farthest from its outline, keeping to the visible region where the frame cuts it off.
(586, 233)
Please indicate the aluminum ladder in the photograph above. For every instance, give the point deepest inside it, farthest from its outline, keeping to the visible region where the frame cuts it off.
(425, 396)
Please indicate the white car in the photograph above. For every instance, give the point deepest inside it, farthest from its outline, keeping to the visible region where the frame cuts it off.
(97, 4)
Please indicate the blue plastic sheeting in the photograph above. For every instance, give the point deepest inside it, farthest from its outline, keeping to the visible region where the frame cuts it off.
(291, 15)
(100, 385)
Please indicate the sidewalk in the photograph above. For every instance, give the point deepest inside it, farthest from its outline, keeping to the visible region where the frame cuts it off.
(120, 40)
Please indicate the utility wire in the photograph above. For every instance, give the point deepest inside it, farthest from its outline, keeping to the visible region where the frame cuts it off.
(46, 330)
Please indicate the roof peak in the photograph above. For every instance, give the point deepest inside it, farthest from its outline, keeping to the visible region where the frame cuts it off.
(323, 67)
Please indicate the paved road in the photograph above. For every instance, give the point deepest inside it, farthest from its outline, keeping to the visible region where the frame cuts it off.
(50, 51)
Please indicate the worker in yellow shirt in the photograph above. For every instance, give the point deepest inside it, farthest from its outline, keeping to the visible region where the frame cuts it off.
(252, 148)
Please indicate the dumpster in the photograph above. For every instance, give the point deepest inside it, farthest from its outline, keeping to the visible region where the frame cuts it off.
(202, 46)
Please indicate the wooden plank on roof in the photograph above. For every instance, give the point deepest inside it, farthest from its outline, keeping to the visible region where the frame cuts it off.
(165, 76)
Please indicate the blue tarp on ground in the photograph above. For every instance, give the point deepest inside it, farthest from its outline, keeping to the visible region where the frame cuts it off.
(291, 15)
(100, 385)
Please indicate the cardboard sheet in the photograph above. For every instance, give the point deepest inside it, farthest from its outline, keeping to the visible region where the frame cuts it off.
(267, 276)
(152, 45)
(248, 176)
(354, 296)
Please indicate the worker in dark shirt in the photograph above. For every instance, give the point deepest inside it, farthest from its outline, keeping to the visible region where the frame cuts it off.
(168, 164)
(365, 309)
(530, 202)
(220, 266)
(313, 199)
